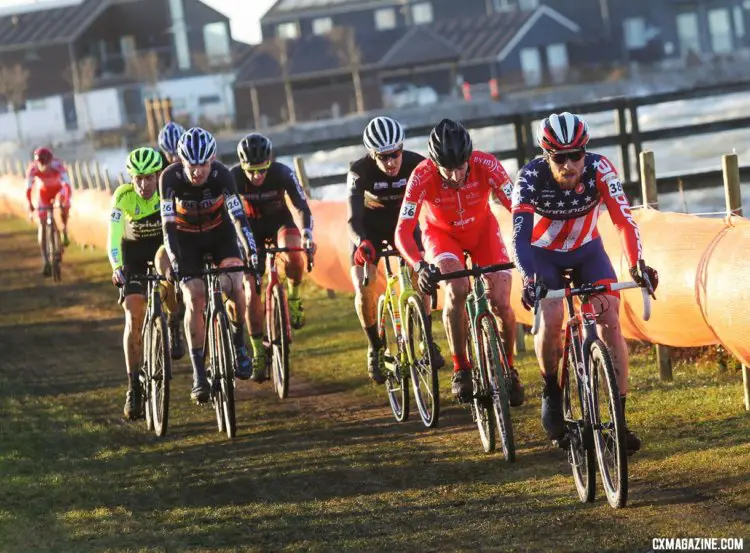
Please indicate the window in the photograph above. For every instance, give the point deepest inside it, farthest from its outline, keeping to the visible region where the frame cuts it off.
(531, 66)
(720, 27)
(634, 29)
(421, 13)
(37, 104)
(502, 5)
(687, 31)
(557, 59)
(385, 19)
(216, 40)
(322, 25)
(206, 100)
(528, 4)
(287, 30)
(739, 22)
(127, 46)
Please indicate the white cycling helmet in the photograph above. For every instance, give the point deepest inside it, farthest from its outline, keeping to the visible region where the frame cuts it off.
(196, 146)
(383, 134)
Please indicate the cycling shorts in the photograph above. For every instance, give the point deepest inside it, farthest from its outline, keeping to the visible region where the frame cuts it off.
(135, 256)
(270, 228)
(589, 265)
(381, 240)
(220, 243)
(484, 244)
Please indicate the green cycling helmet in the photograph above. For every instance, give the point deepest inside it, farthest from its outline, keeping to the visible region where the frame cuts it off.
(144, 161)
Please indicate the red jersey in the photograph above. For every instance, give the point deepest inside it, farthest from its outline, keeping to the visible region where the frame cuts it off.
(461, 212)
(53, 181)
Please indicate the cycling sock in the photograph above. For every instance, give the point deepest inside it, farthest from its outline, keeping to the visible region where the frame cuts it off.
(196, 358)
(256, 340)
(550, 382)
(294, 289)
(132, 381)
(460, 362)
(373, 337)
(238, 335)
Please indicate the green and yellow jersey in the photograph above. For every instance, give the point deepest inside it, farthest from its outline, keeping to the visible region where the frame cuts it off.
(133, 219)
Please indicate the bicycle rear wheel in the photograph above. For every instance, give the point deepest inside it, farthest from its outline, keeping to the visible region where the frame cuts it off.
(497, 373)
(482, 404)
(423, 375)
(581, 449)
(223, 374)
(279, 342)
(53, 251)
(396, 378)
(159, 374)
(608, 425)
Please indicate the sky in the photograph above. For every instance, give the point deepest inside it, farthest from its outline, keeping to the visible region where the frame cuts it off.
(244, 14)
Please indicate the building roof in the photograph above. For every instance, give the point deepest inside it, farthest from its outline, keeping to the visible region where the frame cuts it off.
(50, 26)
(463, 41)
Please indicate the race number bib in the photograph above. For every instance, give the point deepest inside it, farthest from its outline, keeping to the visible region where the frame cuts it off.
(408, 210)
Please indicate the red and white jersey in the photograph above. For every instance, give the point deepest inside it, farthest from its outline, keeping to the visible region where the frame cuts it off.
(53, 181)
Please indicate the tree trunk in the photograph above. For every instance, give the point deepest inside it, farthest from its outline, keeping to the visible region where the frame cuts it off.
(359, 97)
(290, 102)
(19, 133)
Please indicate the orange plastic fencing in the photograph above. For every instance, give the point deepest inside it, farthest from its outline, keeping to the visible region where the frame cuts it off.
(703, 264)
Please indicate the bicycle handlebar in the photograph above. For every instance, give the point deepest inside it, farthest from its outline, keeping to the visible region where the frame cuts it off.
(592, 289)
(208, 271)
(473, 272)
(385, 253)
(286, 249)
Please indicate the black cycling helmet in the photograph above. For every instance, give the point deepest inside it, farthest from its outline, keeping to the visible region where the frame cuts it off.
(450, 144)
(254, 149)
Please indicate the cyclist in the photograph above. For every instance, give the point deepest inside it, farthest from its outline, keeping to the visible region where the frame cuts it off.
(556, 203)
(376, 184)
(169, 137)
(199, 204)
(265, 185)
(134, 239)
(53, 180)
(454, 186)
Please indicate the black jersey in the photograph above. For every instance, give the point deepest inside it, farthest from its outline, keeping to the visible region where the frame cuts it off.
(375, 198)
(268, 201)
(189, 208)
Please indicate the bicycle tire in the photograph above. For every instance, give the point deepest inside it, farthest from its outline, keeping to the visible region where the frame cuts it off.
(481, 404)
(226, 371)
(211, 362)
(422, 370)
(397, 381)
(53, 253)
(159, 373)
(498, 382)
(279, 342)
(581, 456)
(615, 486)
(143, 382)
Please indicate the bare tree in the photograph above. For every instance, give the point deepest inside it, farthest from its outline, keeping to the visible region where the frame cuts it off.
(14, 81)
(144, 67)
(344, 44)
(222, 69)
(278, 49)
(82, 75)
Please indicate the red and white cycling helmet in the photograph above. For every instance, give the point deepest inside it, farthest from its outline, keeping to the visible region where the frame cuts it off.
(562, 131)
(43, 155)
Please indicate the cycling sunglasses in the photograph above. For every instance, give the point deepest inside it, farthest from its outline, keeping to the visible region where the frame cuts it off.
(260, 168)
(390, 155)
(561, 158)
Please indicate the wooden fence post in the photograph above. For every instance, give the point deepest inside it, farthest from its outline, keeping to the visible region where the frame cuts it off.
(98, 176)
(635, 132)
(87, 173)
(651, 198)
(304, 180)
(622, 128)
(733, 197)
(150, 119)
(79, 174)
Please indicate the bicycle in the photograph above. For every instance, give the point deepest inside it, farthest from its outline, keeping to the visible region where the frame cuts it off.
(490, 370)
(585, 430)
(53, 242)
(278, 335)
(408, 348)
(156, 371)
(218, 346)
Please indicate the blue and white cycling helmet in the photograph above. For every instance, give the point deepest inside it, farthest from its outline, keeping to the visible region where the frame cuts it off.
(169, 137)
(197, 146)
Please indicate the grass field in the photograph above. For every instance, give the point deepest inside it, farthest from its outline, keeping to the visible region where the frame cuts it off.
(328, 469)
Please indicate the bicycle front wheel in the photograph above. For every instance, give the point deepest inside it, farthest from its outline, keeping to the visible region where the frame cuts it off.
(581, 449)
(482, 405)
(53, 252)
(608, 425)
(497, 373)
(396, 378)
(159, 374)
(279, 342)
(423, 375)
(223, 365)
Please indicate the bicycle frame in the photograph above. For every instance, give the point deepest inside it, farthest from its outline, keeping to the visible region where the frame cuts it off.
(274, 280)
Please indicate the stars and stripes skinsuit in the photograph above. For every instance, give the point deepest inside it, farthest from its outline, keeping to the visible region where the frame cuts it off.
(556, 229)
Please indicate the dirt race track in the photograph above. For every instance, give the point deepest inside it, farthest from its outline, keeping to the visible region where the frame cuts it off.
(328, 469)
